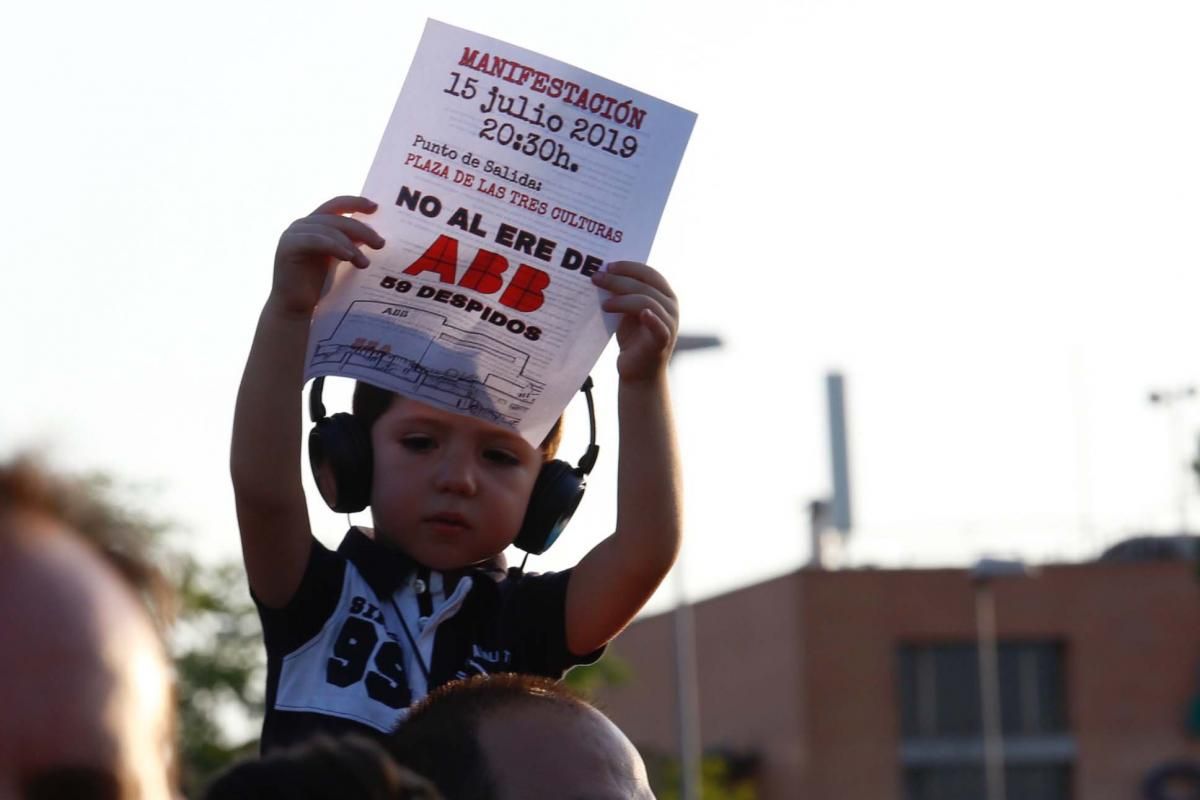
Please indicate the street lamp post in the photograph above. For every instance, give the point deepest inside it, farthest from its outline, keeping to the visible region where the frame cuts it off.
(687, 694)
(982, 575)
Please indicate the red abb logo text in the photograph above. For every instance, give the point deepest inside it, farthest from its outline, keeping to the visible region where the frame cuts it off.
(484, 274)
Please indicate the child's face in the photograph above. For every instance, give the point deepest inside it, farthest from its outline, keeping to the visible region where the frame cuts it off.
(449, 490)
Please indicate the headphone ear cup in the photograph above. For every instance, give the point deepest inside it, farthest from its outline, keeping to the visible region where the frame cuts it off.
(339, 452)
(555, 496)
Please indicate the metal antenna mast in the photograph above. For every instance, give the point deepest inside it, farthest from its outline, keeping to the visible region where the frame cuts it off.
(833, 512)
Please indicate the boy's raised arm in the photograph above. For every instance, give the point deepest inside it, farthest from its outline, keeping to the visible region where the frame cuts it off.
(265, 454)
(613, 581)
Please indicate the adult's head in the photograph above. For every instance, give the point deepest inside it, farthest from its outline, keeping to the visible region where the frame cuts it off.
(511, 737)
(87, 693)
(351, 767)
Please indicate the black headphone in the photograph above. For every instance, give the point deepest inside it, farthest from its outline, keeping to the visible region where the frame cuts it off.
(339, 450)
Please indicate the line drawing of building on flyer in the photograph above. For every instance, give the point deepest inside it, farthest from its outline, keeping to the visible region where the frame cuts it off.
(430, 359)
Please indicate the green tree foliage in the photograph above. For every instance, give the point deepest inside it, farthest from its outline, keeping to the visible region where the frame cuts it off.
(588, 679)
(219, 660)
(722, 777)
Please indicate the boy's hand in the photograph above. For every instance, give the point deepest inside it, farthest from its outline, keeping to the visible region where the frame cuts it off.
(310, 247)
(650, 321)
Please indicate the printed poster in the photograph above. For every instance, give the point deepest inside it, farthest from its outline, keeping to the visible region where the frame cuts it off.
(504, 180)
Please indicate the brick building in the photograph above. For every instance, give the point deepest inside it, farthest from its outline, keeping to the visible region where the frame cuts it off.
(864, 684)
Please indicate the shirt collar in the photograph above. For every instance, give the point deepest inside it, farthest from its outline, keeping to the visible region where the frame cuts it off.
(387, 569)
(384, 568)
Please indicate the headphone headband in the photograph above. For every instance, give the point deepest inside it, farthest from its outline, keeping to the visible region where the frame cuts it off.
(316, 409)
(588, 459)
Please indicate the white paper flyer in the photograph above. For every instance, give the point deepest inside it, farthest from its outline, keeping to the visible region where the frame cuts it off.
(504, 180)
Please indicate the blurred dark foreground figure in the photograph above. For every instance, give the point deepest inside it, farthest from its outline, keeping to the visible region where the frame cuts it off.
(350, 767)
(86, 700)
(518, 737)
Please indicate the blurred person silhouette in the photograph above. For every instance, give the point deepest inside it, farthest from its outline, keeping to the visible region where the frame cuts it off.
(87, 700)
(350, 767)
(514, 737)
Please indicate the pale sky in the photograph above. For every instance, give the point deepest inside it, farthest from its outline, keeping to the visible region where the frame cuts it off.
(984, 214)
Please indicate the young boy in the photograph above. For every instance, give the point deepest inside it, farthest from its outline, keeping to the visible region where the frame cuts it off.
(354, 636)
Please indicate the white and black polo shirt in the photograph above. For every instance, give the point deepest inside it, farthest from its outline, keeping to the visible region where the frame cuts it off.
(370, 631)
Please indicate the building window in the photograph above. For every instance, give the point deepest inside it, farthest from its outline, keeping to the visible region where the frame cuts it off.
(941, 722)
(1021, 782)
(939, 689)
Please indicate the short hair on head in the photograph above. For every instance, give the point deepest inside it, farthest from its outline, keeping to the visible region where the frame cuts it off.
(323, 768)
(81, 505)
(370, 402)
(439, 738)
